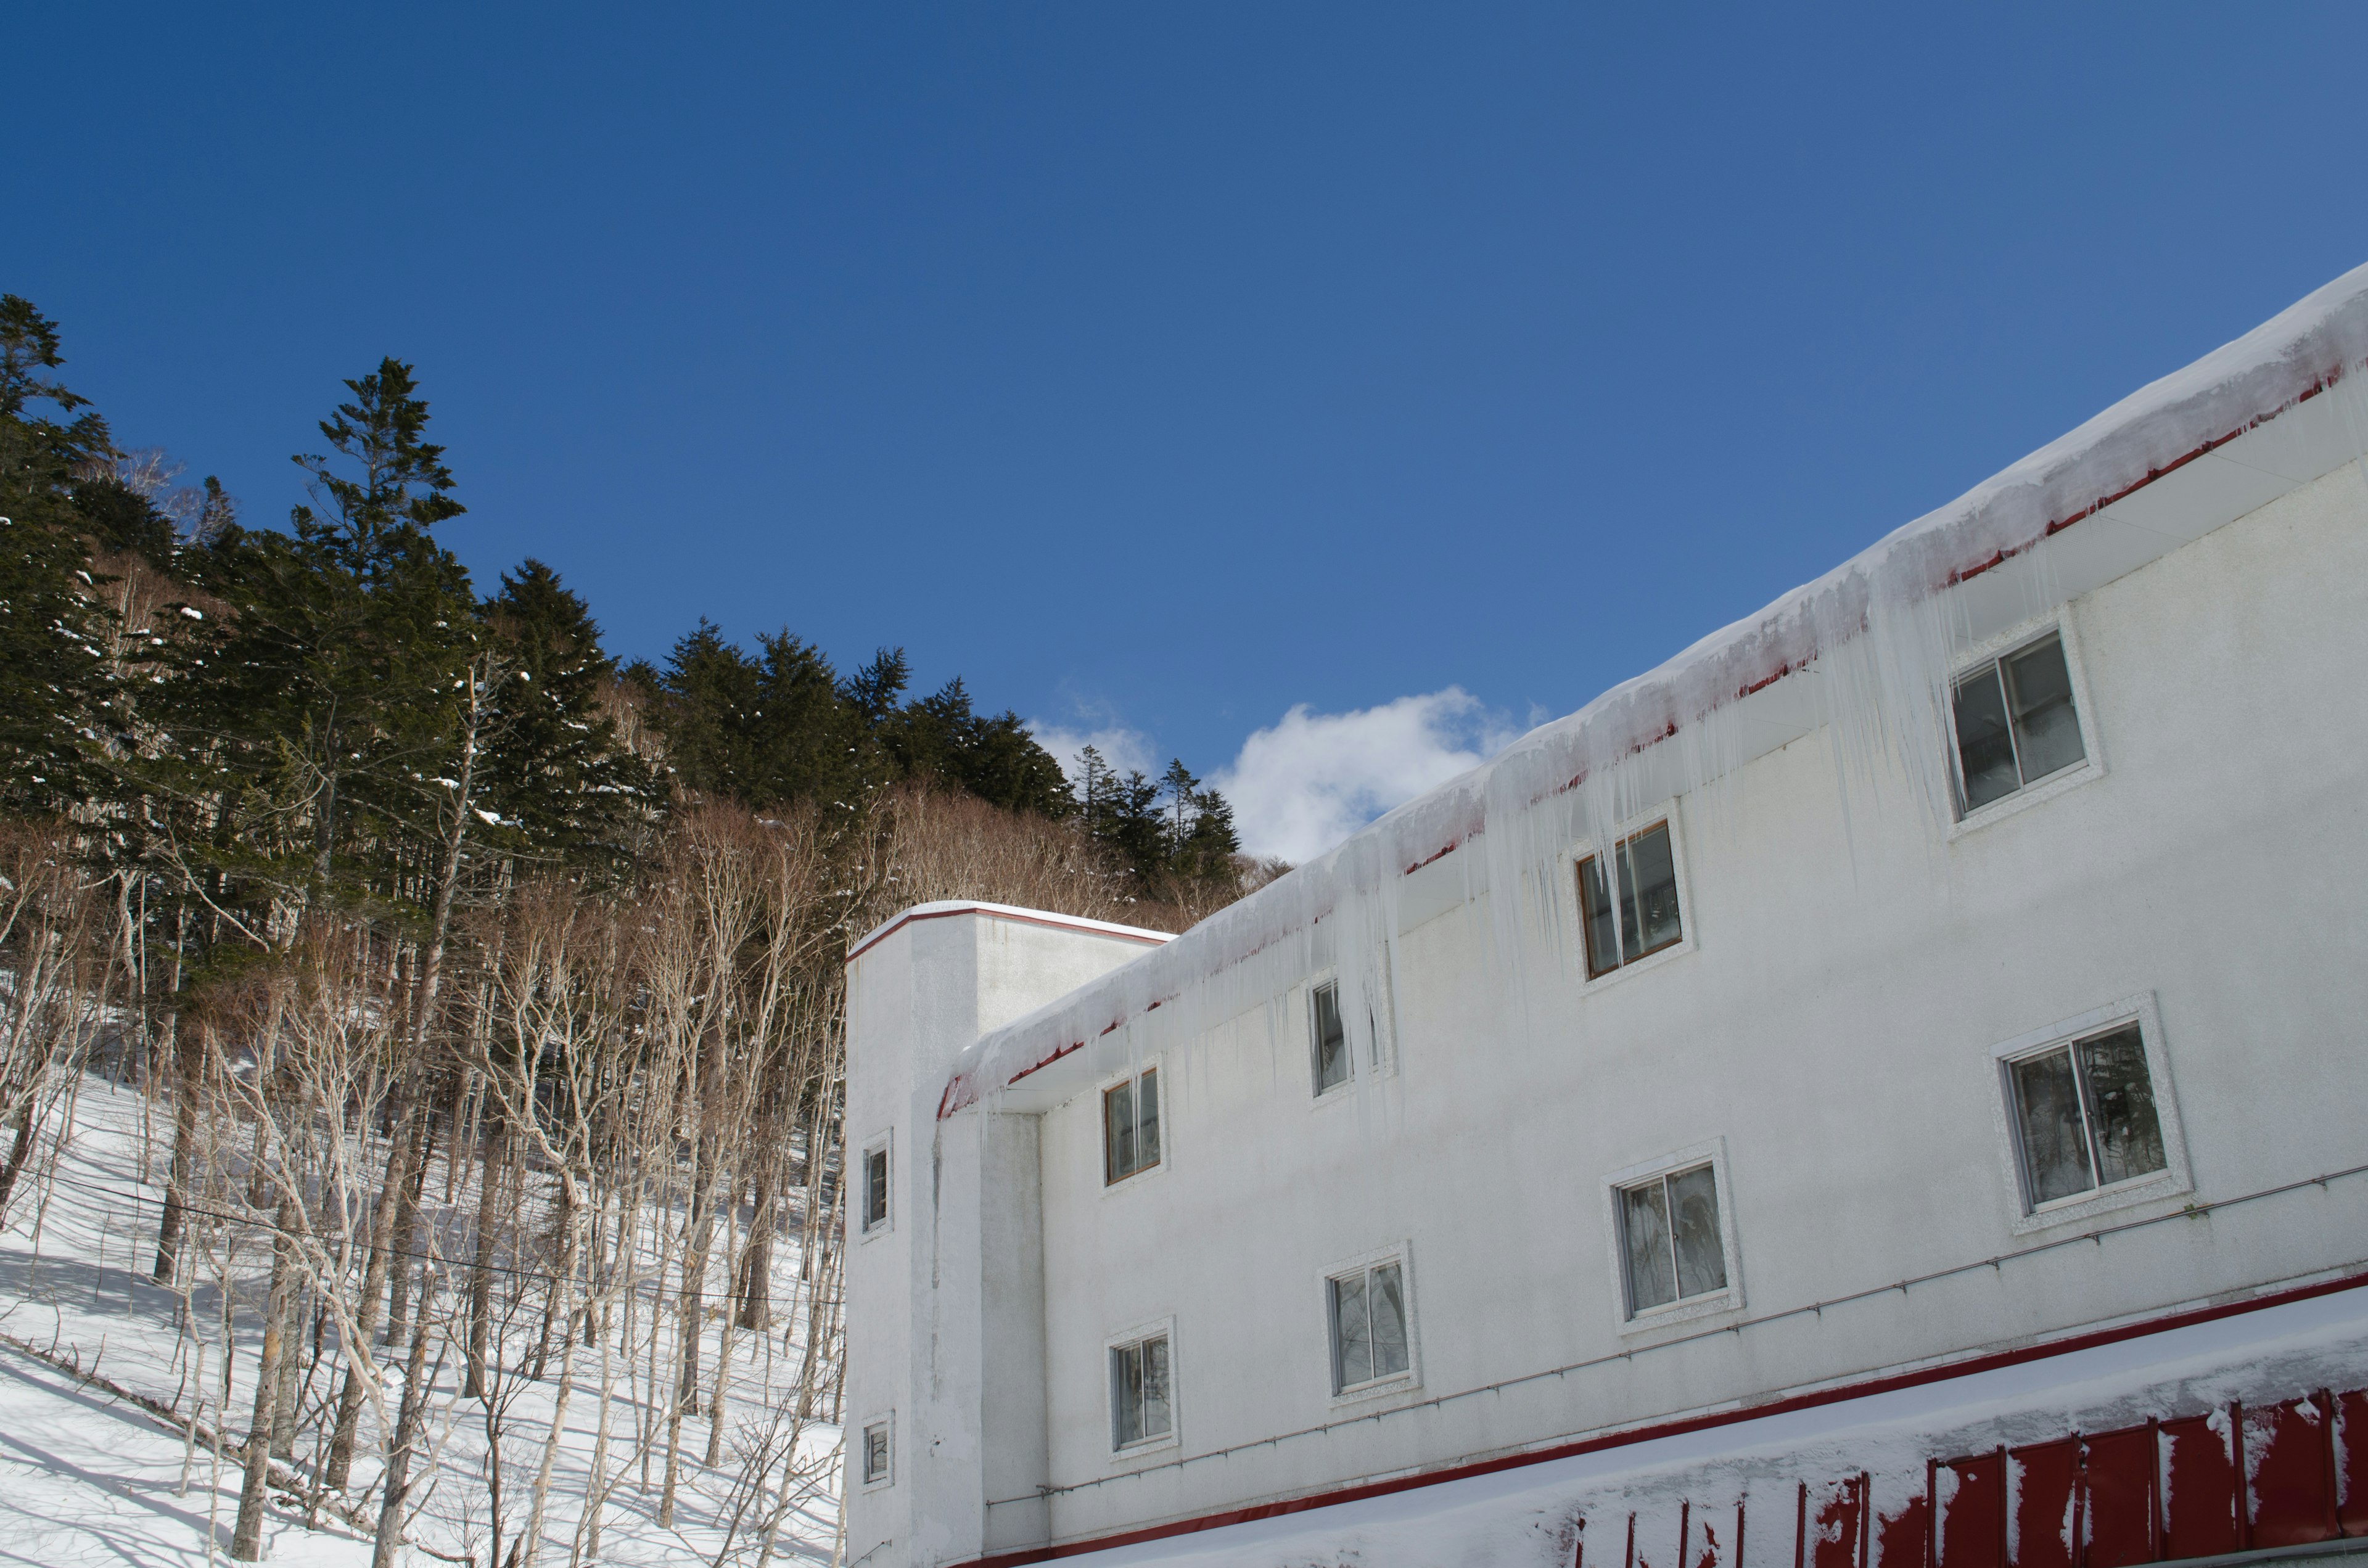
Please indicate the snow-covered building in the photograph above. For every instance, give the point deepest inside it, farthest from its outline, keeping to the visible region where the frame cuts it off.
(1886, 1089)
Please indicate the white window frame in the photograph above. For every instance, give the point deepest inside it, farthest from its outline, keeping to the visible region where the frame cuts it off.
(1102, 1126)
(884, 1143)
(862, 1454)
(1712, 1151)
(1575, 909)
(1377, 1053)
(2091, 766)
(1402, 1254)
(1174, 1437)
(2173, 1180)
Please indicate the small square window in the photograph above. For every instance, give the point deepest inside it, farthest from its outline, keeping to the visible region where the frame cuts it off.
(1334, 1062)
(1644, 919)
(2085, 1116)
(1368, 1310)
(2016, 723)
(877, 1454)
(1143, 1409)
(1670, 1240)
(1131, 1126)
(875, 1187)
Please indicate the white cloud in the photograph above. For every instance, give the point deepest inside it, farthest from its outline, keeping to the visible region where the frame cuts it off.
(1125, 749)
(1301, 787)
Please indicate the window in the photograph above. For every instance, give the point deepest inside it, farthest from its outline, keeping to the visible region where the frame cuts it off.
(875, 1452)
(2016, 723)
(1142, 1410)
(2085, 1116)
(1369, 1325)
(875, 1185)
(1670, 1240)
(1333, 1061)
(1131, 1126)
(1645, 918)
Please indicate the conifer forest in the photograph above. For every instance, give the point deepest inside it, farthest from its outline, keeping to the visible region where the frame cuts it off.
(463, 1005)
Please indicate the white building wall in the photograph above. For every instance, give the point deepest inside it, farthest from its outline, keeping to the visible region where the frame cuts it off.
(1831, 1029)
(944, 1327)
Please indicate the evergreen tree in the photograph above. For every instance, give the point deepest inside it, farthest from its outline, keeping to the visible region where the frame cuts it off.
(330, 691)
(49, 628)
(558, 779)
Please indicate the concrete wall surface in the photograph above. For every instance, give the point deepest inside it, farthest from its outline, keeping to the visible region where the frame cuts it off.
(1828, 1037)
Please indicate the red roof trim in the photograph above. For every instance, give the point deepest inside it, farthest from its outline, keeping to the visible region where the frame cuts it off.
(1836, 1395)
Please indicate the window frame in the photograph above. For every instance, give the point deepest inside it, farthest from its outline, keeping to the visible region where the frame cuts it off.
(864, 1479)
(2174, 1180)
(1151, 1066)
(884, 1144)
(1400, 1252)
(1712, 1152)
(1575, 857)
(1377, 1053)
(1140, 1333)
(1991, 650)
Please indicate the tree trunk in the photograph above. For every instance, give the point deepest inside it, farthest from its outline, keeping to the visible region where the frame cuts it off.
(481, 1278)
(401, 1150)
(189, 1074)
(408, 1421)
(247, 1538)
(406, 1229)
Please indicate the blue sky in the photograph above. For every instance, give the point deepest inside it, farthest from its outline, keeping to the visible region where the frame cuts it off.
(1162, 370)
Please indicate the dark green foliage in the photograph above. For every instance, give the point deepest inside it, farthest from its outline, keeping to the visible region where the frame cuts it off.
(940, 738)
(557, 774)
(119, 518)
(51, 631)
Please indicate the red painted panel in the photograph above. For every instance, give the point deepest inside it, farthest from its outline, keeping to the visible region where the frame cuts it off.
(1834, 1525)
(2117, 1476)
(1900, 1537)
(2044, 1476)
(1972, 1502)
(1712, 1548)
(2198, 1487)
(2290, 1465)
(2351, 1462)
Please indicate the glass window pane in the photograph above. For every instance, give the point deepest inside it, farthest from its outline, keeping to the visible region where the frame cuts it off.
(1156, 1416)
(2054, 1148)
(1126, 1393)
(1352, 1343)
(1984, 749)
(1146, 1119)
(1645, 1229)
(875, 1187)
(1595, 905)
(1332, 1057)
(2127, 1135)
(2046, 730)
(1648, 893)
(1118, 1131)
(875, 1452)
(1386, 1293)
(1694, 1215)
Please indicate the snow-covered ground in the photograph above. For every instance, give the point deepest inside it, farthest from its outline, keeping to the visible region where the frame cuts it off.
(90, 1478)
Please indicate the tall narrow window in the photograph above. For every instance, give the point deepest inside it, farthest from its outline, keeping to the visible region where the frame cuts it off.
(1669, 1238)
(2085, 1116)
(1369, 1325)
(1644, 919)
(875, 1187)
(1334, 1062)
(2016, 725)
(1131, 1126)
(876, 1455)
(1141, 1408)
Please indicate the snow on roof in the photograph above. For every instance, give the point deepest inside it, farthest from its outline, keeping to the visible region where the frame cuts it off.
(2156, 431)
(940, 908)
